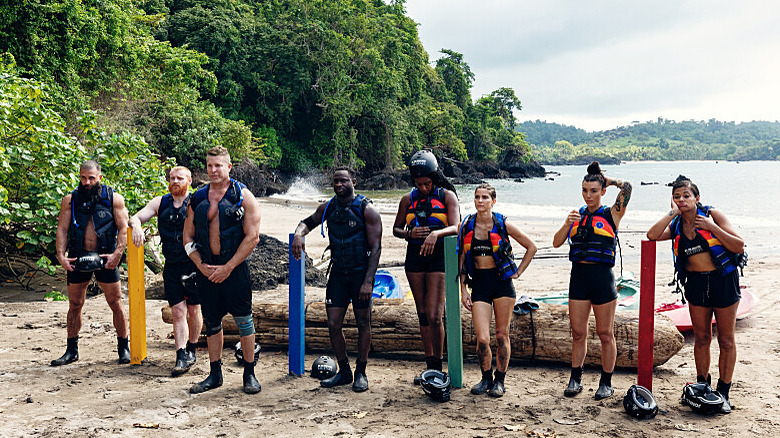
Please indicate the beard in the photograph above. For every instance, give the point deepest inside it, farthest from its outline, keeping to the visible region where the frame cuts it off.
(90, 194)
(178, 190)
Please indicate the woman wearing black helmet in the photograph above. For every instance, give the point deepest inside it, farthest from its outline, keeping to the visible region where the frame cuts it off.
(425, 216)
(486, 265)
(705, 244)
(592, 234)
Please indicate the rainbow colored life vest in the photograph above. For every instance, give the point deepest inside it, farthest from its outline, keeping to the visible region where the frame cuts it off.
(499, 239)
(593, 238)
(722, 258)
(427, 211)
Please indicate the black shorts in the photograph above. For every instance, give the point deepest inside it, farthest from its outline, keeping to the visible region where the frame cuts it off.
(233, 296)
(344, 287)
(710, 289)
(592, 282)
(175, 292)
(101, 275)
(486, 286)
(431, 263)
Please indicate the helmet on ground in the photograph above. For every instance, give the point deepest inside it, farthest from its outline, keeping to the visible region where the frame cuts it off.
(436, 385)
(240, 352)
(423, 163)
(701, 398)
(639, 402)
(89, 262)
(323, 367)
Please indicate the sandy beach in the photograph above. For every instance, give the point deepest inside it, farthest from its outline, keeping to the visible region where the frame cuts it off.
(96, 397)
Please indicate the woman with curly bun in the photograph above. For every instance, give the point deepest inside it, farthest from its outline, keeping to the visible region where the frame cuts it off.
(592, 235)
(705, 249)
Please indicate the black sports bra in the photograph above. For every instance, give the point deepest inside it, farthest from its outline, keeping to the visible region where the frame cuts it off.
(692, 247)
(481, 247)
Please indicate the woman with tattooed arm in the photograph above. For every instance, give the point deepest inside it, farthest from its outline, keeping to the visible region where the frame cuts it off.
(592, 235)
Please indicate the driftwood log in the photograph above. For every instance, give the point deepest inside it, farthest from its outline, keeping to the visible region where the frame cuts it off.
(544, 335)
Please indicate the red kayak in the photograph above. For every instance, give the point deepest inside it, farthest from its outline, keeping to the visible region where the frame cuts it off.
(679, 315)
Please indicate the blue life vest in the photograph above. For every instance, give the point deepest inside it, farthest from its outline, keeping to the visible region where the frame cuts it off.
(499, 239)
(231, 221)
(170, 224)
(347, 233)
(723, 259)
(594, 237)
(102, 215)
(427, 211)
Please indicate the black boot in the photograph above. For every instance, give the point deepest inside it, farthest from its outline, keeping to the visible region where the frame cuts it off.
(343, 377)
(497, 390)
(214, 380)
(251, 385)
(71, 353)
(361, 381)
(182, 364)
(485, 384)
(605, 386)
(723, 390)
(191, 348)
(123, 348)
(574, 387)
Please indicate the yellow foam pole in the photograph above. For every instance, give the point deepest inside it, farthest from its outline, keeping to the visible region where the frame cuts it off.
(137, 298)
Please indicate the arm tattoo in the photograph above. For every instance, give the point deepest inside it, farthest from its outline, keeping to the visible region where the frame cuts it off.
(625, 192)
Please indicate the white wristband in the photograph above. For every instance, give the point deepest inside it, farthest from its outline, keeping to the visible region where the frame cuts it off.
(190, 247)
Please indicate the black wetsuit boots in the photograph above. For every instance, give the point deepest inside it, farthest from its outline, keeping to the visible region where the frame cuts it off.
(71, 353)
(123, 348)
(214, 380)
(343, 377)
(485, 384)
(497, 390)
(575, 387)
(361, 381)
(605, 386)
(251, 385)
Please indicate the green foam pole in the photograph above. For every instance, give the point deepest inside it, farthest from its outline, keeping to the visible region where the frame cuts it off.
(452, 308)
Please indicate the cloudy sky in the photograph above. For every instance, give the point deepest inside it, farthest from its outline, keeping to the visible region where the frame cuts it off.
(602, 63)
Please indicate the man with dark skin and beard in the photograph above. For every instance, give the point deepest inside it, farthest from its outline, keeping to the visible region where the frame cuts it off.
(355, 233)
(92, 227)
(171, 211)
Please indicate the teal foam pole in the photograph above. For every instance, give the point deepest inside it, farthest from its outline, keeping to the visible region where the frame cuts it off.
(452, 309)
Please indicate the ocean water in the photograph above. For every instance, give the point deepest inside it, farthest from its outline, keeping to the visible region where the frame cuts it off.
(747, 192)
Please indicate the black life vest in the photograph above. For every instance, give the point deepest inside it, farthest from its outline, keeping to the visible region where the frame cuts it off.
(594, 237)
(347, 233)
(170, 224)
(231, 221)
(427, 211)
(102, 215)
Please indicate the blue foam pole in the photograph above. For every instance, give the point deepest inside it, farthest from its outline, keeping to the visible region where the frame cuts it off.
(297, 317)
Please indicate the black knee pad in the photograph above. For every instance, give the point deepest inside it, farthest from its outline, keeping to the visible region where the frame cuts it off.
(423, 319)
(213, 329)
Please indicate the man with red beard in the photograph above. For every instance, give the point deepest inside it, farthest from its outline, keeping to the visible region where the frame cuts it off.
(179, 271)
(92, 227)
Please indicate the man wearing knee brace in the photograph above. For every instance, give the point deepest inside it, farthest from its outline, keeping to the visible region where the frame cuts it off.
(221, 230)
(355, 232)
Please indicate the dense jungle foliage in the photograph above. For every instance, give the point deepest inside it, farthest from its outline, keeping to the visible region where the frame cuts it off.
(655, 140)
(293, 84)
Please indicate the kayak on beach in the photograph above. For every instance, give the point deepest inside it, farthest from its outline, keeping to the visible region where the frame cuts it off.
(386, 285)
(678, 312)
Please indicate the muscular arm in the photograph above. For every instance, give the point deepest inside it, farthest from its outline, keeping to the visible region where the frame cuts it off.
(149, 211)
(526, 242)
(121, 219)
(251, 229)
(301, 230)
(374, 235)
(621, 202)
(63, 225)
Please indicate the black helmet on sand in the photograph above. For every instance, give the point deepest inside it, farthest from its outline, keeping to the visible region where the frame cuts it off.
(701, 398)
(89, 262)
(436, 385)
(639, 402)
(240, 353)
(323, 367)
(423, 163)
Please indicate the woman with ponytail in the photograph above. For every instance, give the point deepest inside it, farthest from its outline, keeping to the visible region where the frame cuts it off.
(592, 235)
(705, 245)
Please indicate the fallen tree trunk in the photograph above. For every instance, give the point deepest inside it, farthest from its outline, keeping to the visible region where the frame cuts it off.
(543, 335)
